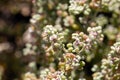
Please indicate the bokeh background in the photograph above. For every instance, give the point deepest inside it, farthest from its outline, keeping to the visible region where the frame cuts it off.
(14, 20)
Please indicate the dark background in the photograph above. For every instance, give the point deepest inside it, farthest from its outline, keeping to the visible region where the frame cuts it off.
(14, 20)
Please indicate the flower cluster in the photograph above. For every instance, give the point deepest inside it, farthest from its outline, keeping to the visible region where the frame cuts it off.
(53, 37)
(79, 6)
(111, 5)
(95, 33)
(109, 65)
(83, 41)
(29, 49)
(46, 74)
(70, 61)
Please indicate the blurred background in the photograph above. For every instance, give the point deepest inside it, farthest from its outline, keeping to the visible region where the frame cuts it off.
(14, 20)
